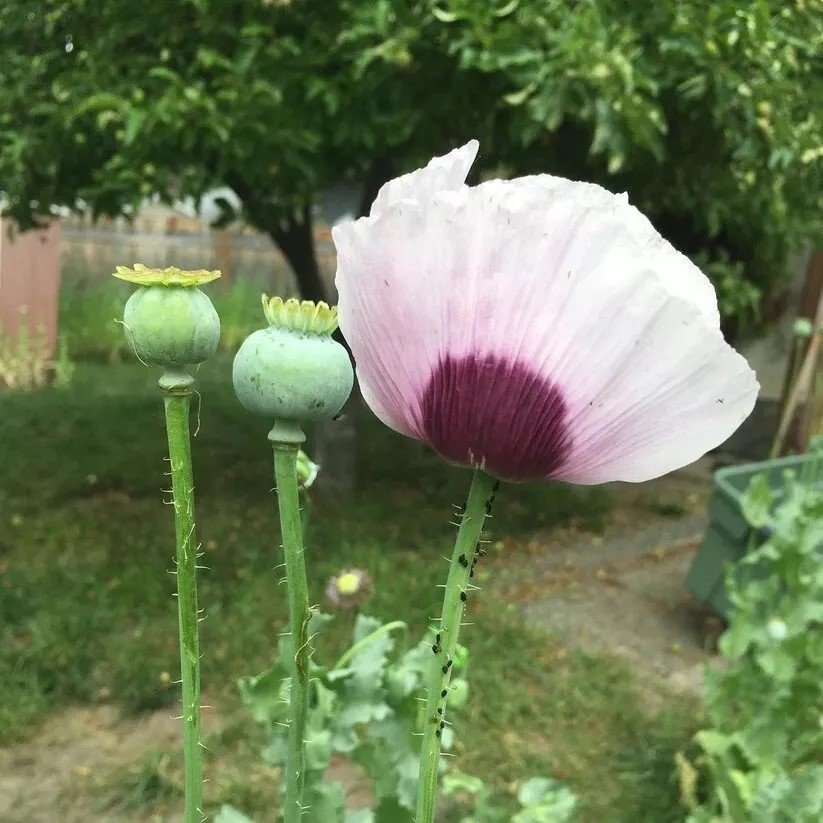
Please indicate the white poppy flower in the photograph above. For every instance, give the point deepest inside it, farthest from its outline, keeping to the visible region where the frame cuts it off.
(535, 328)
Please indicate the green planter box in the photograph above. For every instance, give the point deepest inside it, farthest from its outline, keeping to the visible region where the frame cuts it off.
(727, 536)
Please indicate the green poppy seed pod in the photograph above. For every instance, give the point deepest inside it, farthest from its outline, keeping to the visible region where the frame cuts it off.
(168, 320)
(293, 370)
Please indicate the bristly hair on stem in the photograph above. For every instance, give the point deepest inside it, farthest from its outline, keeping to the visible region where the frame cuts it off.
(286, 439)
(478, 507)
(177, 407)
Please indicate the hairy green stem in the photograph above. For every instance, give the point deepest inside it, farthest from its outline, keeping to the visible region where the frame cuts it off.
(464, 557)
(285, 475)
(177, 402)
(305, 511)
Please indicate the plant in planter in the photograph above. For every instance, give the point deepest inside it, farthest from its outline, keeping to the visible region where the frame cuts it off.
(761, 759)
(730, 534)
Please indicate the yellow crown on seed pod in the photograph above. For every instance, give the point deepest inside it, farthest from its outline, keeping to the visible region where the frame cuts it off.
(172, 276)
(303, 316)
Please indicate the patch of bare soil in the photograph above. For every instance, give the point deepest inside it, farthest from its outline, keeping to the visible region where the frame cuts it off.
(623, 592)
(94, 764)
(49, 777)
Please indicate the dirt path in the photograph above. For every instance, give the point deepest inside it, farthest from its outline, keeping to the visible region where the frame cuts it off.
(623, 592)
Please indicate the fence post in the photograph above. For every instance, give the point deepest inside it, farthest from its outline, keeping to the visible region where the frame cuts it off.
(30, 280)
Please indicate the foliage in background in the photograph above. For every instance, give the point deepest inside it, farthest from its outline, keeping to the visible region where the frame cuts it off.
(541, 800)
(90, 311)
(708, 114)
(100, 107)
(762, 757)
(366, 708)
(26, 362)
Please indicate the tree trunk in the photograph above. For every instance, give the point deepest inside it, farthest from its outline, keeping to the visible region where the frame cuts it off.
(295, 238)
(292, 235)
(380, 171)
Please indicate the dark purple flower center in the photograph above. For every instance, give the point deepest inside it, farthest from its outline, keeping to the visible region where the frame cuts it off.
(489, 411)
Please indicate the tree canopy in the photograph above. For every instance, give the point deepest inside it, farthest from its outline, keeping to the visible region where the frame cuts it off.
(708, 114)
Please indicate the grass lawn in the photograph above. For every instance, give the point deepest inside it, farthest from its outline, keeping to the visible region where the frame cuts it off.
(87, 613)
